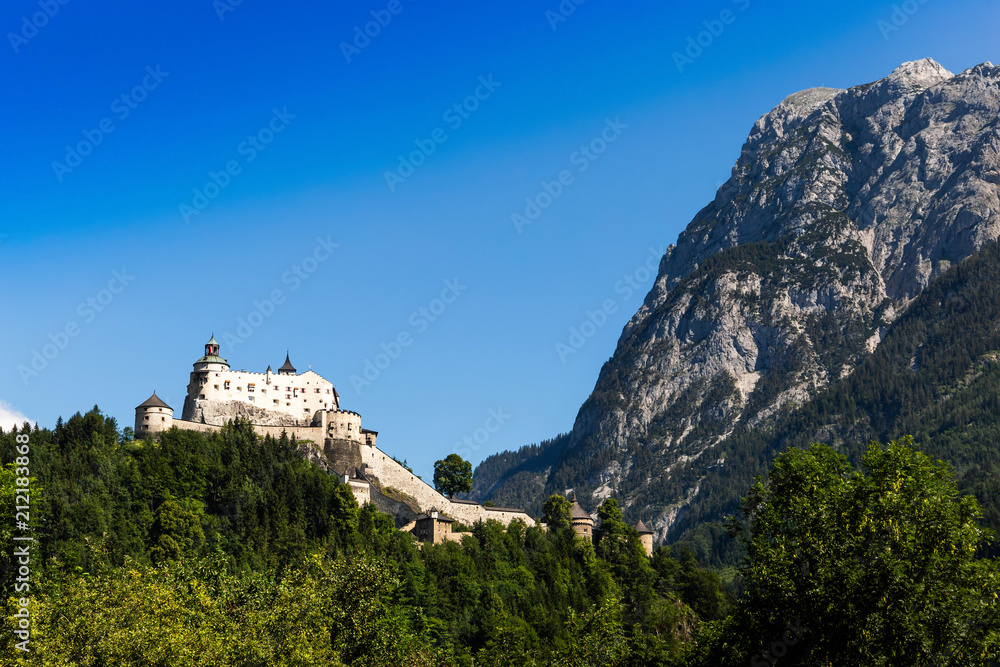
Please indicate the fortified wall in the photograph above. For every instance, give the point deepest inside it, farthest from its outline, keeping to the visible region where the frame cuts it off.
(307, 407)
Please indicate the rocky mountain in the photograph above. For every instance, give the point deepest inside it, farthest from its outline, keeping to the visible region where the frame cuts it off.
(843, 206)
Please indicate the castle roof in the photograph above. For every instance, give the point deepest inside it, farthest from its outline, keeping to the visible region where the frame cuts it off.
(213, 341)
(439, 517)
(579, 513)
(212, 359)
(287, 366)
(501, 509)
(154, 401)
(641, 528)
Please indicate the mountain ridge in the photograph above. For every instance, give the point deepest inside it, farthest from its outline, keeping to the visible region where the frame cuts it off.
(842, 207)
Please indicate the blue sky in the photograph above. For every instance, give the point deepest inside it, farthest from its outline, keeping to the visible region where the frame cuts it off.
(166, 169)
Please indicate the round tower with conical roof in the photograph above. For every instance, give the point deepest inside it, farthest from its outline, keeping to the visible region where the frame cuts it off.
(153, 416)
(645, 536)
(582, 522)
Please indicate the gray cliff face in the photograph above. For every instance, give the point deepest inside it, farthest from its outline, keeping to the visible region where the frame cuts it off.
(842, 206)
(219, 412)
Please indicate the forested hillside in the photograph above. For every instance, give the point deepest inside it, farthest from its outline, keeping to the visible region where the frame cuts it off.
(519, 473)
(230, 549)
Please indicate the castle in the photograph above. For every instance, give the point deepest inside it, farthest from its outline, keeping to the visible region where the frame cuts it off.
(306, 406)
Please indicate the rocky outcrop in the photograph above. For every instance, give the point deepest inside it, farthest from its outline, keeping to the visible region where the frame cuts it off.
(203, 411)
(842, 206)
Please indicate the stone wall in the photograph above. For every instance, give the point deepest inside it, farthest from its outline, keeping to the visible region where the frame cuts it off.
(344, 425)
(313, 433)
(152, 420)
(382, 469)
(340, 455)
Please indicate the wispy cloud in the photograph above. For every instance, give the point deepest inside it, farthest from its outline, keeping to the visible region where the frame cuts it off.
(9, 417)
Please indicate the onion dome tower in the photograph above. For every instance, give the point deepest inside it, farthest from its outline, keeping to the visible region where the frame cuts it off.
(211, 361)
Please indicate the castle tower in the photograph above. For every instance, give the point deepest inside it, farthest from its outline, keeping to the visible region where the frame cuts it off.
(153, 416)
(207, 366)
(211, 362)
(582, 522)
(286, 368)
(432, 527)
(645, 536)
(212, 347)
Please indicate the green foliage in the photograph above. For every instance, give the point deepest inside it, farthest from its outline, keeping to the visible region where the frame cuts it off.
(229, 549)
(452, 475)
(331, 612)
(556, 512)
(879, 567)
(176, 531)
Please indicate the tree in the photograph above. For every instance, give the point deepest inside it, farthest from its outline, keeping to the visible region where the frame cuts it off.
(873, 567)
(556, 512)
(452, 475)
(177, 531)
(619, 546)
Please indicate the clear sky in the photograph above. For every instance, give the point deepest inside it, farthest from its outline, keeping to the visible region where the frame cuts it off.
(167, 168)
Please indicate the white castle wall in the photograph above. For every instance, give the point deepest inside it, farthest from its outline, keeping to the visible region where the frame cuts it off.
(299, 396)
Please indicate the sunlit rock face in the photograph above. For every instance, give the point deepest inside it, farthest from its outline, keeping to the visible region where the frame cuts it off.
(842, 206)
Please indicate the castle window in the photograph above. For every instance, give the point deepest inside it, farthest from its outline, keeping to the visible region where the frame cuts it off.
(250, 398)
(227, 384)
(250, 388)
(216, 386)
(276, 387)
(317, 390)
(146, 418)
(275, 401)
(201, 395)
